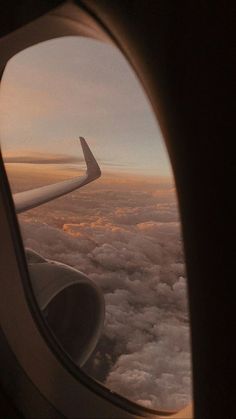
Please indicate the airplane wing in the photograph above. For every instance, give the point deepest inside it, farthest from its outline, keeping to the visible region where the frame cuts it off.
(34, 197)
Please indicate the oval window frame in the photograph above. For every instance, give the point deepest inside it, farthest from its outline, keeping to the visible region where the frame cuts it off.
(82, 24)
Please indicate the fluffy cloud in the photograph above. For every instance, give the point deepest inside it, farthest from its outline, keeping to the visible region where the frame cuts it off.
(129, 243)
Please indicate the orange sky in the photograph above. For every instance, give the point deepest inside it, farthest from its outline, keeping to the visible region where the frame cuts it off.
(58, 90)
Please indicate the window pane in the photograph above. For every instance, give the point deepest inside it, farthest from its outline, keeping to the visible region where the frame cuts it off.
(122, 231)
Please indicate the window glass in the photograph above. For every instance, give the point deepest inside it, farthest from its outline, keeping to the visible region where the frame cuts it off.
(122, 231)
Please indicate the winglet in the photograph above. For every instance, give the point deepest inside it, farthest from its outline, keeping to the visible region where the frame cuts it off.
(93, 169)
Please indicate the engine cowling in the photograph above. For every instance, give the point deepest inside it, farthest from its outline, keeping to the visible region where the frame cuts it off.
(72, 305)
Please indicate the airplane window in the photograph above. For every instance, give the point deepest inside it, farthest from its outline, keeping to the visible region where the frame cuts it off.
(105, 253)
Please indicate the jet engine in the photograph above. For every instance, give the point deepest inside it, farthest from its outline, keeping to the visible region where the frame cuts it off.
(72, 305)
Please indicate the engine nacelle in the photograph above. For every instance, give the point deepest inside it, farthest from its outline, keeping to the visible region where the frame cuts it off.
(71, 303)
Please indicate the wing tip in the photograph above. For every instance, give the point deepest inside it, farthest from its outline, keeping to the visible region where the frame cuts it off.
(93, 169)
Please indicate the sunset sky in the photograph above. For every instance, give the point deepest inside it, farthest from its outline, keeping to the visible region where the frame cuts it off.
(58, 90)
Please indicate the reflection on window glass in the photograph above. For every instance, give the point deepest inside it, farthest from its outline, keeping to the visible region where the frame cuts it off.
(121, 231)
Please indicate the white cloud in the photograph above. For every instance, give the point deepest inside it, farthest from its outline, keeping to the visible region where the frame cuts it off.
(134, 253)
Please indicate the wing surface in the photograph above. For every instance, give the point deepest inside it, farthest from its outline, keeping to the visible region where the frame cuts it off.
(34, 197)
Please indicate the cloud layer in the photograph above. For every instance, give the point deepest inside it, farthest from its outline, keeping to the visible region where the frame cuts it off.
(40, 158)
(128, 241)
